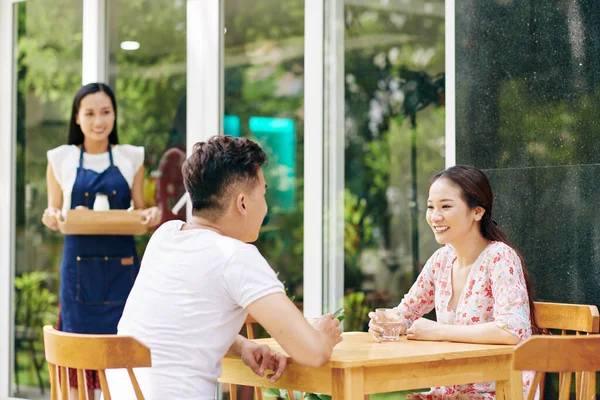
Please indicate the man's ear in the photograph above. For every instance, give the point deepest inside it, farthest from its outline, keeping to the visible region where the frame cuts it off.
(240, 204)
(479, 211)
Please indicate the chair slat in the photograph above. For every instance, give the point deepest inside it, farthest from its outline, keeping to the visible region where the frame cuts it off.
(104, 384)
(534, 385)
(81, 387)
(53, 375)
(64, 386)
(565, 388)
(136, 386)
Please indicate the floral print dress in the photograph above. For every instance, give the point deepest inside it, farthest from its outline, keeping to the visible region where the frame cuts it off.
(495, 291)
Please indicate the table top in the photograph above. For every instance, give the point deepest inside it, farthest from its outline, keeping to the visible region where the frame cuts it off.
(360, 349)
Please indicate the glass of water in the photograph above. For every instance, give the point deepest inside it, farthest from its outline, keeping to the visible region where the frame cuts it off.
(390, 320)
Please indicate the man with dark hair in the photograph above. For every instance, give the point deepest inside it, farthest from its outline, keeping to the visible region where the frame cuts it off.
(199, 280)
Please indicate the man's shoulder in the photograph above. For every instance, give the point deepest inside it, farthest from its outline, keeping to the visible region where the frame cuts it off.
(238, 250)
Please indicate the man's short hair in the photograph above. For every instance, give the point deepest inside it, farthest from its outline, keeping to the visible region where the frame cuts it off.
(216, 166)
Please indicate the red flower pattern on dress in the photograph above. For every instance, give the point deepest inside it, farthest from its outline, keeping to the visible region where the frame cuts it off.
(496, 292)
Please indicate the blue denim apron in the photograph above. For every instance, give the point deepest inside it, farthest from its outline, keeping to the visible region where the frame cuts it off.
(97, 271)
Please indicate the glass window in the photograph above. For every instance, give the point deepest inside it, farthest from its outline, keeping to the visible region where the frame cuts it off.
(49, 74)
(264, 101)
(394, 130)
(147, 69)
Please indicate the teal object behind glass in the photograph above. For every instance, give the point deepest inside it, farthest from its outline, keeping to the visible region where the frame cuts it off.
(231, 125)
(277, 136)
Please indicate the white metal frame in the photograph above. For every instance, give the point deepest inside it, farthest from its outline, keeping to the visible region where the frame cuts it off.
(450, 83)
(314, 36)
(8, 35)
(205, 30)
(95, 49)
(334, 139)
(204, 70)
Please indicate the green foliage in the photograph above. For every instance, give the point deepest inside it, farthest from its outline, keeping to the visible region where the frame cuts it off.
(35, 305)
(356, 310)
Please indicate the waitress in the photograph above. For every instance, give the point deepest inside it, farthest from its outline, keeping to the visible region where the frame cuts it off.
(97, 271)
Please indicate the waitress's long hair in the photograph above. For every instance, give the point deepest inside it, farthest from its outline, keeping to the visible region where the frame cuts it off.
(476, 191)
(75, 133)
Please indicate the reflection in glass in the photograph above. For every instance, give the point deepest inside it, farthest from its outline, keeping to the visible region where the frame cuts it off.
(527, 107)
(148, 71)
(264, 101)
(49, 74)
(394, 142)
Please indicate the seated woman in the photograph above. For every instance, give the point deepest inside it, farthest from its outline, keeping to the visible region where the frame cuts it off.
(477, 282)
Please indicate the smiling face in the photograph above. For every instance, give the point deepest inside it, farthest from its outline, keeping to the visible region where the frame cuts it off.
(448, 214)
(96, 117)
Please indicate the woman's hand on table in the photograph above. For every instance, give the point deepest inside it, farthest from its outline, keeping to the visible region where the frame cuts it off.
(51, 217)
(376, 330)
(151, 217)
(261, 358)
(425, 329)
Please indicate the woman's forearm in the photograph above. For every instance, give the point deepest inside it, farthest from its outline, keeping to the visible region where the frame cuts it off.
(487, 333)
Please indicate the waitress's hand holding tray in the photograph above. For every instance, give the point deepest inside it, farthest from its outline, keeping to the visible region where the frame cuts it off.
(111, 222)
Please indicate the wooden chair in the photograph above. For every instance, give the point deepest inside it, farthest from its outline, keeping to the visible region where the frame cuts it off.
(563, 354)
(250, 335)
(577, 318)
(94, 353)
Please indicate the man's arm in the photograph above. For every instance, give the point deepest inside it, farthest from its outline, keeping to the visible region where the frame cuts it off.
(259, 358)
(236, 347)
(307, 344)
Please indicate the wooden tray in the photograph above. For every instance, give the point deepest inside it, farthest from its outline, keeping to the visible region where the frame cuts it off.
(112, 222)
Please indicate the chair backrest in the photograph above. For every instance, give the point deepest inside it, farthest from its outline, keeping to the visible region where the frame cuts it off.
(580, 318)
(577, 318)
(93, 353)
(563, 354)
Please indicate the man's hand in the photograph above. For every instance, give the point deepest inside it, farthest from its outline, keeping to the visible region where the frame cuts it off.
(261, 358)
(330, 327)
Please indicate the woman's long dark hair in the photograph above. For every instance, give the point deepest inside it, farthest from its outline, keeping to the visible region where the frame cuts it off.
(477, 192)
(75, 133)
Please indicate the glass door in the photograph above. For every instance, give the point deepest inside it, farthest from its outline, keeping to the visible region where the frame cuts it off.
(147, 69)
(48, 69)
(385, 126)
(264, 101)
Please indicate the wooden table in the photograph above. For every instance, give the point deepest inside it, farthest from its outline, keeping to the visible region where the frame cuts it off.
(360, 366)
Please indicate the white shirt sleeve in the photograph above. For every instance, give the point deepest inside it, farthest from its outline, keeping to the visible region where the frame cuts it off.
(248, 277)
(57, 158)
(135, 154)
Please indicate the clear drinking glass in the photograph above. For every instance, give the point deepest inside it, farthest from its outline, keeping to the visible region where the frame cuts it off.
(392, 323)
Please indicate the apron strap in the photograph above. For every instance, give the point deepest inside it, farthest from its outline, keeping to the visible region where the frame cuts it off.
(110, 155)
(81, 156)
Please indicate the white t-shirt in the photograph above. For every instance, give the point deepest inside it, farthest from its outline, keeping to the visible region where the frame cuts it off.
(187, 305)
(65, 160)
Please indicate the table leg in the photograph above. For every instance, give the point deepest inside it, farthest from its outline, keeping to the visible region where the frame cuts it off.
(511, 389)
(348, 384)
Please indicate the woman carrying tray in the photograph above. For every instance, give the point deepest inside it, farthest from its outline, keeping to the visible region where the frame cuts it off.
(97, 271)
